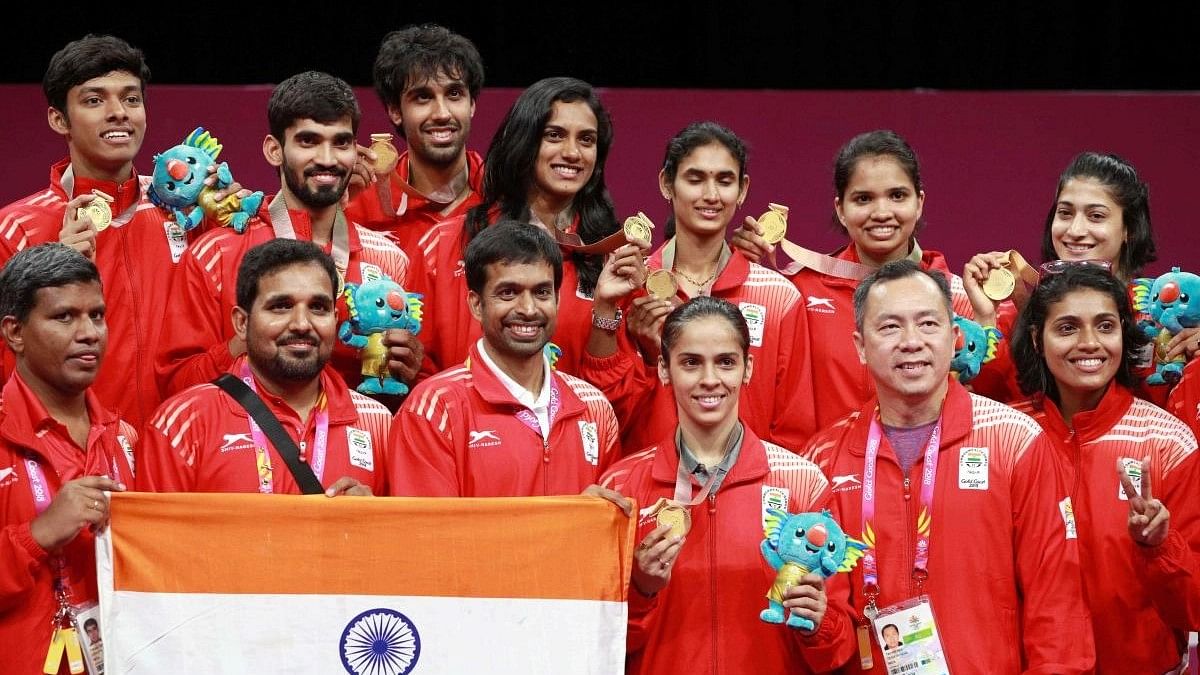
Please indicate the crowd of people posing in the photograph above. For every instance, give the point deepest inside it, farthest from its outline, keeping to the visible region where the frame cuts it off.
(1040, 513)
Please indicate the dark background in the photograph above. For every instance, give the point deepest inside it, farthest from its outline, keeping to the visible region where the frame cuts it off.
(803, 44)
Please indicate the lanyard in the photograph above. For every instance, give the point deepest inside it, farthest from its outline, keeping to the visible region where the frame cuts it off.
(924, 519)
(281, 222)
(68, 185)
(530, 420)
(262, 457)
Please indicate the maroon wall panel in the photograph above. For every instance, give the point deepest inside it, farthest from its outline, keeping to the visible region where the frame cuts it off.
(990, 160)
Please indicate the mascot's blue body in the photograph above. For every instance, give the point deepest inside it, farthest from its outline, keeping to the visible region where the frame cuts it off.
(796, 545)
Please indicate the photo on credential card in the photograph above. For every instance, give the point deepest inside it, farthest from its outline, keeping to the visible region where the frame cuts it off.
(87, 627)
(908, 636)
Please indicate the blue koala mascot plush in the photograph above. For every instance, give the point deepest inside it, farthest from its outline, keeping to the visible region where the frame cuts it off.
(798, 544)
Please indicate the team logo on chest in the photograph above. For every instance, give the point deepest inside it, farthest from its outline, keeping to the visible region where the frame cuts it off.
(756, 321)
(591, 442)
(358, 443)
(773, 498)
(973, 468)
(370, 272)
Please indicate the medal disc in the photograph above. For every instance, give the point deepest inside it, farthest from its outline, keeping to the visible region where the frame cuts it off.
(774, 225)
(639, 227)
(676, 517)
(98, 211)
(999, 284)
(386, 155)
(660, 284)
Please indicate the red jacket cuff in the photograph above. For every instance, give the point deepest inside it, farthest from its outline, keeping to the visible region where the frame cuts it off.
(24, 537)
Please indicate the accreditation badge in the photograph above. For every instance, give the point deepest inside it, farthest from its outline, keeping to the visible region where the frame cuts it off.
(909, 638)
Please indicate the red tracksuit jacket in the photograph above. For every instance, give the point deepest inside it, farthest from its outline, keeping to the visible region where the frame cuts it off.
(1143, 600)
(778, 402)
(136, 261)
(194, 347)
(706, 620)
(459, 435)
(27, 432)
(843, 383)
(438, 274)
(200, 441)
(409, 214)
(1004, 579)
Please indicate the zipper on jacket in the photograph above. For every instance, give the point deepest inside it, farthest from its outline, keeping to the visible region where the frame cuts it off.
(136, 313)
(545, 466)
(910, 551)
(712, 575)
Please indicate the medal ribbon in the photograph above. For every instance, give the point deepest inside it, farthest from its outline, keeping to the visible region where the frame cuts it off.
(266, 482)
(281, 222)
(683, 487)
(924, 519)
(68, 185)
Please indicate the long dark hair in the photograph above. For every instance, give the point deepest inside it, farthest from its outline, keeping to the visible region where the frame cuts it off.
(508, 174)
(1033, 374)
(696, 135)
(1122, 183)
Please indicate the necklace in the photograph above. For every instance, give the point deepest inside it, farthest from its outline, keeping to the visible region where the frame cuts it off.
(697, 284)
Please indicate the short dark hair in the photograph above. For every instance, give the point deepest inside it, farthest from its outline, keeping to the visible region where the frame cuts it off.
(700, 307)
(1033, 375)
(897, 269)
(311, 95)
(37, 267)
(695, 135)
(415, 54)
(513, 243)
(86, 58)
(509, 170)
(1121, 181)
(90, 623)
(878, 143)
(266, 258)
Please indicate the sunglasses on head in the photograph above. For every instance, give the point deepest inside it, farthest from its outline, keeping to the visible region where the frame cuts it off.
(1060, 266)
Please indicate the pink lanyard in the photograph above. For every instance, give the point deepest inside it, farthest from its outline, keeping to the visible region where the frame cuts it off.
(530, 420)
(924, 519)
(266, 482)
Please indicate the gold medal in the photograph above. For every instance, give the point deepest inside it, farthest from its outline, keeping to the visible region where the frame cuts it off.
(774, 223)
(672, 514)
(386, 155)
(639, 227)
(1000, 284)
(660, 284)
(98, 211)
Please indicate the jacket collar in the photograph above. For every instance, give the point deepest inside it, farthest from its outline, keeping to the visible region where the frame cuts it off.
(302, 223)
(751, 463)
(125, 193)
(418, 200)
(24, 419)
(1088, 425)
(337, 395)
(957, 419)
(491, 389)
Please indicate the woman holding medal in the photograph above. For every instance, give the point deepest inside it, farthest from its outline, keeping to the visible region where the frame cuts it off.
(699, 580)
(1100, 216)
(878, 200)
(704, 178)
(1131, 469)
(545, 166)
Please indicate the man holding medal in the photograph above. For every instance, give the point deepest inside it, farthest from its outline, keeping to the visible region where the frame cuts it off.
(971, 555)
(96, 203)
(313, 119)
(428, 79)
(505, 423)
(60, 451)
(206, 440)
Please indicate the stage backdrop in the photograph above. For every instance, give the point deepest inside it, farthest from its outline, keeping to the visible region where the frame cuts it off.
(990, 160)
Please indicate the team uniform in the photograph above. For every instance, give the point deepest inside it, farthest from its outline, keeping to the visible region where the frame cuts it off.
(1144, 600)
(777, 403)
(137, 256)
(706, 619)
(202, 440)
(438, 273)
(845, 382)
(1004, 574)
(408, 214)
(37, 456)
(462, 433)
(194, 347)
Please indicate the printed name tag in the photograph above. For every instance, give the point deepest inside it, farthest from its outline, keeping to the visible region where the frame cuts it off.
(909, 638)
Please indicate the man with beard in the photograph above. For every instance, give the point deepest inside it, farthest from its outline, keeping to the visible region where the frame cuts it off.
(428, 79)
(504, 423)
(313, 119)
(202, 440)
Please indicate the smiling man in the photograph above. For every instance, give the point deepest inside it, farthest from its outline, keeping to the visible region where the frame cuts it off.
(428, 79)
(504, 424)
(95, 88)
(202, 440)
(992, 540)
(313, 118)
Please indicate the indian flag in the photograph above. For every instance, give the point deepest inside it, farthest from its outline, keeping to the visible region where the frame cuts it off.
(249, 583)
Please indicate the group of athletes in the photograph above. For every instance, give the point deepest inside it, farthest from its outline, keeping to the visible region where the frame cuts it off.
(1040, 513)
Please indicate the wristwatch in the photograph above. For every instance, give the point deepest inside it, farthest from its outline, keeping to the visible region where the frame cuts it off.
(609, 325)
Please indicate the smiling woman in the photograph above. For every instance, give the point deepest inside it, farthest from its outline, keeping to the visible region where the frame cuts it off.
(1074, 346)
